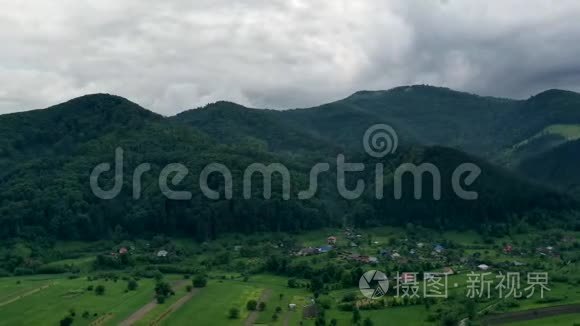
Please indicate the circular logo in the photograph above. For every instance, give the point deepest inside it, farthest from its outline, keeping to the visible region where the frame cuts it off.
(373, 284)
(380, 140)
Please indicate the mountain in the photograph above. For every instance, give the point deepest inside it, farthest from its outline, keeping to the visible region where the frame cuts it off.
(504, 131)
(48, 155)
(557, 167)
(231, 123)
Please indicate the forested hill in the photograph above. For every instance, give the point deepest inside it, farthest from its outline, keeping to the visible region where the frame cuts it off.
(509, 133)
(47, 157)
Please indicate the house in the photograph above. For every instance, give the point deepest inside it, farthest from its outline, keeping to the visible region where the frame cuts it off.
(438, 249)
(395, 255)
(483, 267)
(364, 259)
(123, 251)
(325, 249)
(384, 253)
(507, 249)
(353, 245)
(517, 263)
(292, 306)
(412, 251)
(331, 240)
(420, 245)
(308, 251)
(237, 248)
(448, 271)
(162, 253)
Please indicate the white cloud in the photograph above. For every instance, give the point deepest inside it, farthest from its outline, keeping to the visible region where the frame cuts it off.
(169, 56)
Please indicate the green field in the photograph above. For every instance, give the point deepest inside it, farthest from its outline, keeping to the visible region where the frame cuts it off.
(49, 305)
(235, 277)
(564, 320)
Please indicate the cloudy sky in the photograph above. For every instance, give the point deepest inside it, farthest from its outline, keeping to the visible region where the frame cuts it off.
(173, 55)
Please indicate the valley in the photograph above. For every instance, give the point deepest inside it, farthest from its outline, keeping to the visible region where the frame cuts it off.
(214, 282)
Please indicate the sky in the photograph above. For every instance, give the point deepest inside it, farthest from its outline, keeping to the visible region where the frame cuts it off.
(169, 56)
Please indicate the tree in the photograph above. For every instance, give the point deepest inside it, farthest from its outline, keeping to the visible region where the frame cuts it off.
(234, 313)
(132, 285)
(199, 281)
(100, 289)
(368, 322)
(333, 322)
(262, 306)
(66, 321)
(356, 316)
(162, 291)
(292, 283)
(252, 305)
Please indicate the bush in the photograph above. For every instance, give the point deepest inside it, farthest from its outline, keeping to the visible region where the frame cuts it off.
(346, 307)
(100, 289)
(293, 283)
(262, 306)
(66, 321)
(132, 285)
(349, 297)
(189, 288)
(199, 281)
(252, 305)
(234, 313)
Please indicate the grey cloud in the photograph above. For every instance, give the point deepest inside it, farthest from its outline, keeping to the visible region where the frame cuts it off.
(170, 56)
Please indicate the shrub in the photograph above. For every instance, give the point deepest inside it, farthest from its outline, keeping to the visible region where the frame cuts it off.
(199, 281)
(252, 305)
(132, 285)
(100, 289)
(66, 321)
(234, 313)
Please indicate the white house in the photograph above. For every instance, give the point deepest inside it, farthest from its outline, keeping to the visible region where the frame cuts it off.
(483, 267)
(162, 253)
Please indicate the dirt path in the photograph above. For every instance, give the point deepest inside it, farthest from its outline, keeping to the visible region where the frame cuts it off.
(137, 315)
(25, 294)
(532, 314)
(286, 318)
(253, 316)
(176, 305)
